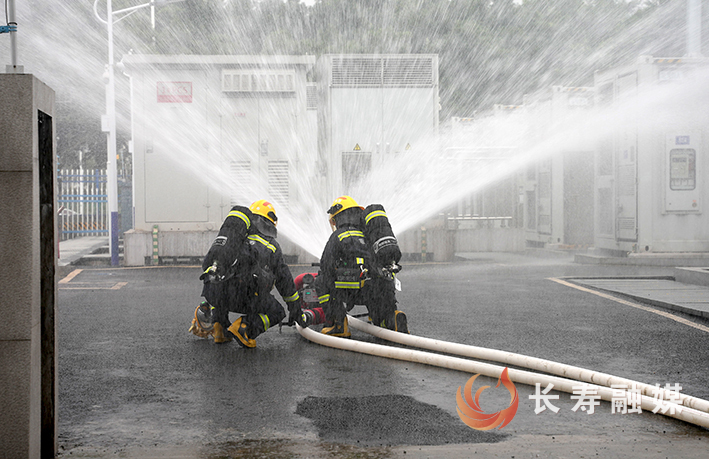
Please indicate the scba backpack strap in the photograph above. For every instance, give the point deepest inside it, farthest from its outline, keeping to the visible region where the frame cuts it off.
(380, 236)
(225, 250)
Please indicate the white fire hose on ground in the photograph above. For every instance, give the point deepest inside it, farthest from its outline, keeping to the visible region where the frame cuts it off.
(689, 409)
(533, 363)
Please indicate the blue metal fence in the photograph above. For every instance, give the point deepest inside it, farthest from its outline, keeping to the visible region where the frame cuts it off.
(82, 203)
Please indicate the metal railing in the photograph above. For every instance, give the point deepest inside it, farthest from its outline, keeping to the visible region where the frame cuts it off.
(82, 203)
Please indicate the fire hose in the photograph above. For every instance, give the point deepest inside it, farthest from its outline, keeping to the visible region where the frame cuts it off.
(692, 410)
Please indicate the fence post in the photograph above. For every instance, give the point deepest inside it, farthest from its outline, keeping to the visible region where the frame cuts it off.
(424, 247)
(156, 259)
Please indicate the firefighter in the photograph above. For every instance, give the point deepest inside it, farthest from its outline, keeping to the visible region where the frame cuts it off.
(240, 270)
(350, 274)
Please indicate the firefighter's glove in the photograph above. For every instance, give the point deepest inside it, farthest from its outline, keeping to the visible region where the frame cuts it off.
(294, 312)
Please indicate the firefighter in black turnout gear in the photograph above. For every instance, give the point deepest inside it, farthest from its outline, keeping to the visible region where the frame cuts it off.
(239, 272)
(356, 270)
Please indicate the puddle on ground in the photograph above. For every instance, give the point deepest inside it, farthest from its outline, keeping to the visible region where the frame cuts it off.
(387, 420)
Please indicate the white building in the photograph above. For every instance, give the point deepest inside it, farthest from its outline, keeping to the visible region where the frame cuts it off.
(372, 107)
(210, 132)
(650, 190)
(558, 187)
(213, 131)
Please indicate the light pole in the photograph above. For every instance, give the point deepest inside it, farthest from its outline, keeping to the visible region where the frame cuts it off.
(108, 121)
(694, 28)
(11, 28)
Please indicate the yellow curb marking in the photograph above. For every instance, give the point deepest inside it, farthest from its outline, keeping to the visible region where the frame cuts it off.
(75, 285)
(91, 286)
(70, 276)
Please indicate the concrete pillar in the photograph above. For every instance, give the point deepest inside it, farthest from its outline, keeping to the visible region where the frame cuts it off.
(28, 260)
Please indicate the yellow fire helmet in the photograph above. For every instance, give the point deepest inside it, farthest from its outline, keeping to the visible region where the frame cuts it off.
(264, 209)
(340, 204)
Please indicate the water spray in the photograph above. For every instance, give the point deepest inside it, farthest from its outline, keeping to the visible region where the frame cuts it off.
(417, 184)
(427, 180)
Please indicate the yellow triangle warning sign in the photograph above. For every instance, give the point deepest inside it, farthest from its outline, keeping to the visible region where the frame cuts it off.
(408, 146)
(356, 148)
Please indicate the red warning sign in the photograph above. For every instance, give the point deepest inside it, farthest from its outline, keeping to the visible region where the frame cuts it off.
(174, 92)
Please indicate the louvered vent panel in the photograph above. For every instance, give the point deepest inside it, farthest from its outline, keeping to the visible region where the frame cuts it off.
(278, 182)
(311, 97)
(408, 71)
(234, 80)
(390, 71)
(357, 71)
(626, 223)
(241, 176)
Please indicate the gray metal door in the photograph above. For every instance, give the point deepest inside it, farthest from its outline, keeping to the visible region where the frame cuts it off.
(355, 167)
(544, 198)
(626, 166)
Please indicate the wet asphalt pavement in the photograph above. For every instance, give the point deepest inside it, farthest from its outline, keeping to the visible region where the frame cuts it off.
(134, 383)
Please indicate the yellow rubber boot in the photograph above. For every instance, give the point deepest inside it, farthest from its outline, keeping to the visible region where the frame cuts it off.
(400, 323)
(397, 322)
(341, 330)
(219, 336)
(238, 329)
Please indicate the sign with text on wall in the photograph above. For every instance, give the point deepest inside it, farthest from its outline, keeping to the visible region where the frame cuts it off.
(174, 92)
